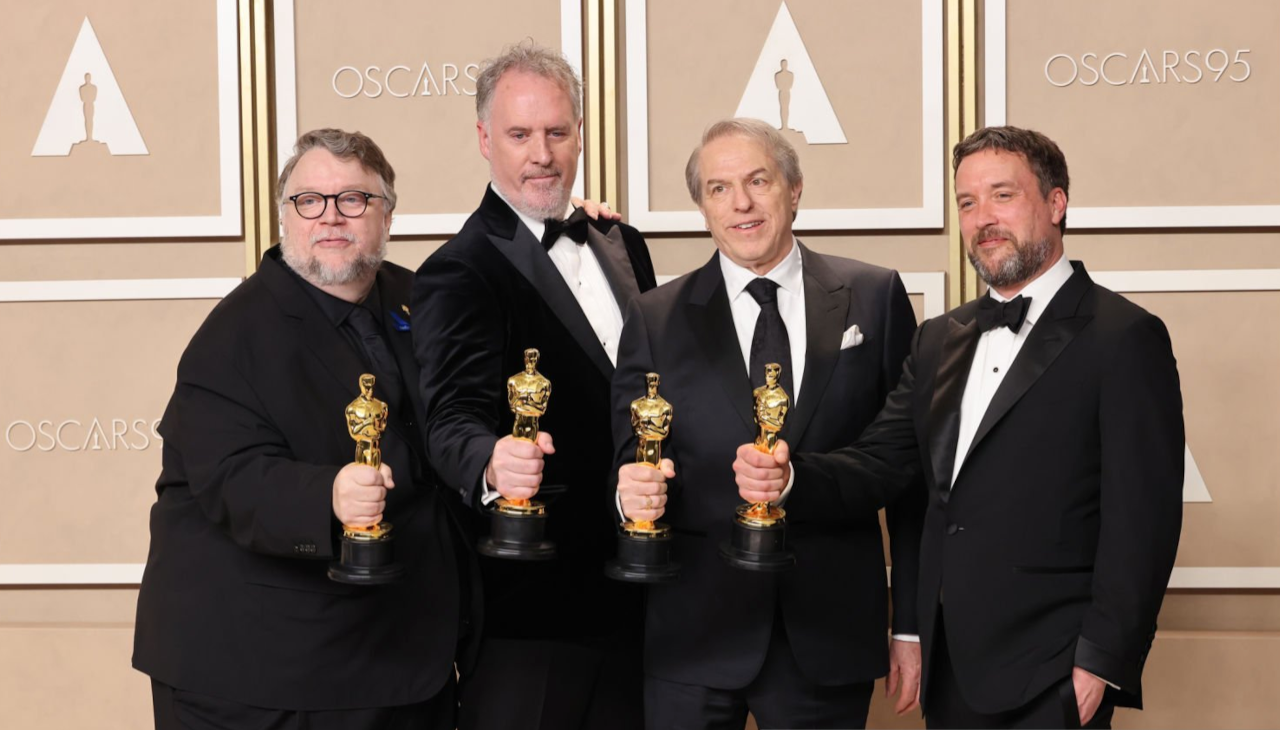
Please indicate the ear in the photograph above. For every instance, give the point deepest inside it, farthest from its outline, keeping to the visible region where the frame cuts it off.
(483, 135)
(1058, 200)
(579, 136)
(795, 197)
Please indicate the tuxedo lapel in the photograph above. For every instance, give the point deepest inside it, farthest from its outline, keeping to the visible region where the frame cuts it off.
(611, 253)
(1058, 325)
(526, 254)
(958, 348)
(711, 321)
(826, 309)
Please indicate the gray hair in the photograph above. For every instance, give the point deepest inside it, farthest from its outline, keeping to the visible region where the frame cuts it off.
(344, 146)
(527, 57)
(783, 154)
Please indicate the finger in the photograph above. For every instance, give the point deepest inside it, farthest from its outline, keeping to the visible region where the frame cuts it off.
(891, 681)
(782, 453)
(511, 480)
(387, 481)
(517, 448)
(365, 475)
(514, 465)
(368, 494)
(910, 695)
(771, 487)
(545, 443)
(642, 473)
(755, 472)
(669, 468)
(754, 457)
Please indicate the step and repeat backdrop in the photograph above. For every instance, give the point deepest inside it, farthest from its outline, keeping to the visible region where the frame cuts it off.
(132, 138)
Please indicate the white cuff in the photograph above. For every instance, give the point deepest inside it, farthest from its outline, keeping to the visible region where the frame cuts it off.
(487, 493)
(907, 637)
(1104, 681)
(791, 482)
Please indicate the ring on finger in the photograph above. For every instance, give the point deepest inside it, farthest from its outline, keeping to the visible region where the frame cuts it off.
(648, 502)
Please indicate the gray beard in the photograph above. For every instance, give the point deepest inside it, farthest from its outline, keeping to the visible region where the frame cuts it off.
(310, 269)
(556, 210)
(1015, 269)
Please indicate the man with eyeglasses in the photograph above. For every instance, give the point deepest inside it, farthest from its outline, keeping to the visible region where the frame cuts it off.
(238, 624)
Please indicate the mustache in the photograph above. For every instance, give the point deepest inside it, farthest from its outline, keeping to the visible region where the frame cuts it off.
(994, 232)
(540, 172)
(331, 234)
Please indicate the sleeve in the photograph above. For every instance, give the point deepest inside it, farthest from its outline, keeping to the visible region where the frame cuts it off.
(239, 466)
(904, 516)
(1142, 463)
(458, 330)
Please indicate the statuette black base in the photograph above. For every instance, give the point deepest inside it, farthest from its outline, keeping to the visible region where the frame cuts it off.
(759, 548)
(517, 533)
(644, 556)
(367, 562)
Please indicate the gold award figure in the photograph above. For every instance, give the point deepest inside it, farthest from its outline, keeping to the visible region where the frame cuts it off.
(772, 404)
(651, 421)
(366, 420)
(528, 393)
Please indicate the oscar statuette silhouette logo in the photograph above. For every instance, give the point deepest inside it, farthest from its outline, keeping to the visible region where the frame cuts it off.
(88, 112)
(784, 89)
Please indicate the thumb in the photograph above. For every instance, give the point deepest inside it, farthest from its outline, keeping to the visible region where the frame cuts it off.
(545, 443)
(668, 468)
(782, 453)
(387, 481)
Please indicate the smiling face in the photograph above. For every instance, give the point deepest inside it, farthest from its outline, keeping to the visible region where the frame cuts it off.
(746, 201)
(532, 141)
(1010, 229)
(337, 254)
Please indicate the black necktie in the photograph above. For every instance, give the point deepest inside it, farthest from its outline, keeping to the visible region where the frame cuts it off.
(575, 227)
(1011, 314)
(770, 342)
(385, 369)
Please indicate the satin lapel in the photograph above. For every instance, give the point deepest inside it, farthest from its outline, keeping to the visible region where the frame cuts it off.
(944, 410)
(526, 254)
(1057, 327)
(826, 309)
(711, 321)
(611, 253)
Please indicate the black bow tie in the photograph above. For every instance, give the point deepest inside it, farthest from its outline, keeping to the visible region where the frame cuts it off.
(575, 227)
(1011, 314)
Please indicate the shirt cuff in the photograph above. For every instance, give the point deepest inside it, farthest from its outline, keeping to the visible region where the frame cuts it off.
(1112, 685)
(487, 494)
(907, 637)
(617, 502)
(791, 481)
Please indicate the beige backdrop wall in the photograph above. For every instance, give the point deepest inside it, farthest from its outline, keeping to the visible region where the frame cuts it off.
(109, 261)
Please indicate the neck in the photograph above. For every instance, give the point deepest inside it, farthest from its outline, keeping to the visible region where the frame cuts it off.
(354, 291)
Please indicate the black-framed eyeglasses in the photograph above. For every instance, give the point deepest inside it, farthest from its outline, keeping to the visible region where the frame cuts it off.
(350, 203)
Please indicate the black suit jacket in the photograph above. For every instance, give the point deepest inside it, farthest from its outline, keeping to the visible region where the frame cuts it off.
(1055, 544)
(478, 303)
(235, 601)
(712, 627)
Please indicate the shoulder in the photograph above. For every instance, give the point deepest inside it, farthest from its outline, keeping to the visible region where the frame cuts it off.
(1117, 317)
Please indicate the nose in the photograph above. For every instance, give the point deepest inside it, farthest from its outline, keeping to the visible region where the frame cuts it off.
(741, 199)
(540, 150)
(331, 216)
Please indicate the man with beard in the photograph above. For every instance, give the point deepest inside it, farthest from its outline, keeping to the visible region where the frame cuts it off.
(1047, 418)
(238, 624)
(560, 646)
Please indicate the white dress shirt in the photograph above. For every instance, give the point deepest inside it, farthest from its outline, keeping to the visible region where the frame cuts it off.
(581, 271)
(996, 351)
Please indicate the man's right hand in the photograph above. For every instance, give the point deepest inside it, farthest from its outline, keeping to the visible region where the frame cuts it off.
(762, 476)
(515, 469)
(642, 490)
(360, 494)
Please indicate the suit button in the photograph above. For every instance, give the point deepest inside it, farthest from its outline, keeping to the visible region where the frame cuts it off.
(945, 496)
(952, 529)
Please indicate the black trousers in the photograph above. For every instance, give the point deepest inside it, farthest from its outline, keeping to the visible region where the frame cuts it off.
(177, 709)
(780, 697)
(1054, 708)
(521, 684)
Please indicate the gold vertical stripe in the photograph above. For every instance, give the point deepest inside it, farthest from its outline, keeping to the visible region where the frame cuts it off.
(969, 83)
(955, 254)
(263, 136)
(248, 171)
(609, 76)
(592, 89)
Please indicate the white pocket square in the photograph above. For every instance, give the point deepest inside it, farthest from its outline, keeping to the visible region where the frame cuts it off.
(851, 338)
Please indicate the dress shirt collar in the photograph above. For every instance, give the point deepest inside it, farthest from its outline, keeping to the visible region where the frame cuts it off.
(337, 310)
(788, 274)
(1042, 289)
(536, 227)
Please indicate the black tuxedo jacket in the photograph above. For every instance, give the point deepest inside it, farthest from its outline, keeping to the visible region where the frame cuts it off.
(235, 601)
(478, 303)
(712, 627)
(1054, 546)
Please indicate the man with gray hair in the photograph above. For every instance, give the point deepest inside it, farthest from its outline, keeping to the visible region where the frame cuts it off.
(800, 648)
(559, 638)
(238, 624)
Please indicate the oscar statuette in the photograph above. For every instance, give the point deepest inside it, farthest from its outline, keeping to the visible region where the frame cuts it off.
(367, 556)
(518, 526)
(759, 530)
(644, 547)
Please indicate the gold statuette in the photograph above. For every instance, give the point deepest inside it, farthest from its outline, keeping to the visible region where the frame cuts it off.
(651, 421)
(529, 394)
(366, 420)
(772, 404)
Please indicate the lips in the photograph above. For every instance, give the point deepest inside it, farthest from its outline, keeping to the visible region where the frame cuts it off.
(748, 225)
